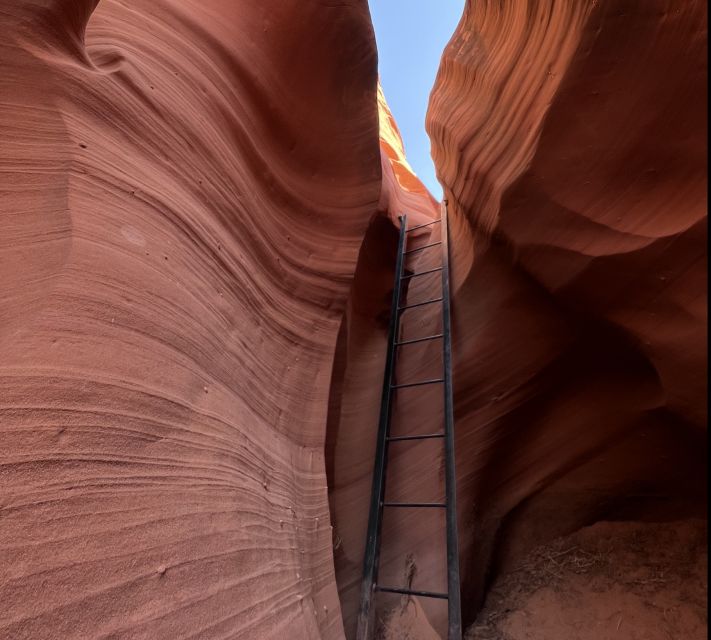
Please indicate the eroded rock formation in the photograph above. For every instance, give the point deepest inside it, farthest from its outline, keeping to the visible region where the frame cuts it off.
(185, 189)
(570, 140)
(196, 255)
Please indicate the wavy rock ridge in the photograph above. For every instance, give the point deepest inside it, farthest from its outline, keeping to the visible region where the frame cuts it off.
(570, 140)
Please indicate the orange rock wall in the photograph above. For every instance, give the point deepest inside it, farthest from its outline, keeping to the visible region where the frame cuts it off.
(570, 140)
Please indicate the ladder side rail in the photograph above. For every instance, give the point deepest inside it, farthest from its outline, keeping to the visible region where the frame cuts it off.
(453, 583)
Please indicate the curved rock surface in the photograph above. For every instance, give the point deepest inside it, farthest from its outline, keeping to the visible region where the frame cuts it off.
(185, 188)
(570, 140)
(197, 203)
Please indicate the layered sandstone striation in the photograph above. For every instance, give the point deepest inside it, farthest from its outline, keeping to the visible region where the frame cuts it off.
(570, 140)
(184, 190)
(198, 212)
(570, 143)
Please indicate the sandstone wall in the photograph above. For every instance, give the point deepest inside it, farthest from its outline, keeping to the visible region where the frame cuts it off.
(196, 209)
(570, 140)
(185, 188)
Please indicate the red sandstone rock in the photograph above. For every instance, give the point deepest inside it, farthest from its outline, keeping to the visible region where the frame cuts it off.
(570, 140)
(185, 189)
(196, 259)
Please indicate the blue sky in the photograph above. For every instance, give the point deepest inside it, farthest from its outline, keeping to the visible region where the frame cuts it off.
(411, 36)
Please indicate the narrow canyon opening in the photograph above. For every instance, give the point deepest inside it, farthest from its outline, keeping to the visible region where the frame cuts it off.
(575, 473)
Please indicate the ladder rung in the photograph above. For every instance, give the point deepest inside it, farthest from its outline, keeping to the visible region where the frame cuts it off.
(415, 505)
(427, 224)
(439, 335)
(427, 246)
(421, 273)
(416, 384)
(419, 304)
(424, 436)
(412, 592)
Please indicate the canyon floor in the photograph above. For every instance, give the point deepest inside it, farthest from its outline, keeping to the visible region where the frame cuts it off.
(609, 581)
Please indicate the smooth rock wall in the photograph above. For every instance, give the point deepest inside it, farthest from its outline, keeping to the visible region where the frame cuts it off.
(184, 190)
(571, 142)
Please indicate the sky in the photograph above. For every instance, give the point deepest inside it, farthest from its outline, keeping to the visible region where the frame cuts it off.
(411, 35)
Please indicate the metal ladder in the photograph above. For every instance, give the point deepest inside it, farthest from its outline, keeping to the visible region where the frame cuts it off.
(370, 585)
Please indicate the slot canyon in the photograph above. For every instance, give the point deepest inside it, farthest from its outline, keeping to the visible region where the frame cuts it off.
(199, 207)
